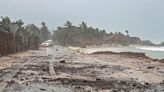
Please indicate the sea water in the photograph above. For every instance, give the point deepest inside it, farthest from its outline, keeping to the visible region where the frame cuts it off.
(154, 52)
(150, 51)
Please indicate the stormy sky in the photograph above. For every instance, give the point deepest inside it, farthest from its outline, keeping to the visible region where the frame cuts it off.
(143, 18)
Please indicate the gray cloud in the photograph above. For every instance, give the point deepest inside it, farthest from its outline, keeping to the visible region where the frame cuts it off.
(142, 18)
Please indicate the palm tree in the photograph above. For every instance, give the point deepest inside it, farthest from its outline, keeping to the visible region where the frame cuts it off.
(83, 25)
(68, 24)
(20, 23)
(127, 32)
(6, 23)
(45, 34)
(34, 34)
(111, 33)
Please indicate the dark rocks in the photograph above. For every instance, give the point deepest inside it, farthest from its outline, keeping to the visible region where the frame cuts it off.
(62, 61)
(150, 67)
(42, 89)
(104, 66)
(32, 73)
(98, 79)
(21, 79)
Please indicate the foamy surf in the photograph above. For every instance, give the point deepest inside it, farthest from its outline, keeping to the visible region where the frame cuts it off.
(151, 48)
(153, 52)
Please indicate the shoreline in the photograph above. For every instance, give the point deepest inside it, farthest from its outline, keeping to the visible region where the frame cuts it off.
(156, 55)
(76, 71)
(130, 54)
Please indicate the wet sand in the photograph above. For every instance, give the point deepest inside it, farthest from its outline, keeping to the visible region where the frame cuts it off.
(61, 69)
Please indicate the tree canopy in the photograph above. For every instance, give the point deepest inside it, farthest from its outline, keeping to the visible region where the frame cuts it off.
(84, 35)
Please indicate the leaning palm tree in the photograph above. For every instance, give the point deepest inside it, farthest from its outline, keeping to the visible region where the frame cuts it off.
(127, 32)
(20, 23)
(68, 24)
(83, 25)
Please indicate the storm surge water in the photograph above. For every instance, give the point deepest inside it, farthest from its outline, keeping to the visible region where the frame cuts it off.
(150, 51)
(151, 48)
(153, 52)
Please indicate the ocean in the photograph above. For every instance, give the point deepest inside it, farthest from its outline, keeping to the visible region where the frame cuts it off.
(150, 51)
(153, 52)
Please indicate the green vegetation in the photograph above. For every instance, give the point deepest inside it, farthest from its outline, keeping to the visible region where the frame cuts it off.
(30, 36)
(162, 44)
(78, 36)
(5, 23)
(44, 32)
(14, 37)
(82, 35)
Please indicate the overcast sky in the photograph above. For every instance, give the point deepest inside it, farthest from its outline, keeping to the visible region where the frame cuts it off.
(143, 18)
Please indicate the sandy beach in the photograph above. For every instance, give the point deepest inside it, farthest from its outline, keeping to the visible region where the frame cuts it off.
(62, 69)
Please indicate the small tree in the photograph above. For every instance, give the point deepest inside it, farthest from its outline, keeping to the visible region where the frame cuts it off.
(45, 34)
(68, 24)
(20, 23)
(5, 23)
(83, 25)
(127, 32)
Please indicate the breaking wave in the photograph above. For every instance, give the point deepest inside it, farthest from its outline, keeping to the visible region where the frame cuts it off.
(151, 48)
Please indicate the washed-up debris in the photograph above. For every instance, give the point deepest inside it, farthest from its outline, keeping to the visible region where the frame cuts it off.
(150, 67)
(62, 61)
(42, 89)
(82, 74)
(9, 83)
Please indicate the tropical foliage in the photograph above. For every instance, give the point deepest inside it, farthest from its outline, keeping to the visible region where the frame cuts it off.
(78, 36)
(84, 35)
(15, 37)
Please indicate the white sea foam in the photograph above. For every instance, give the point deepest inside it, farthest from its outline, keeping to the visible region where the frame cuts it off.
(151, 48)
